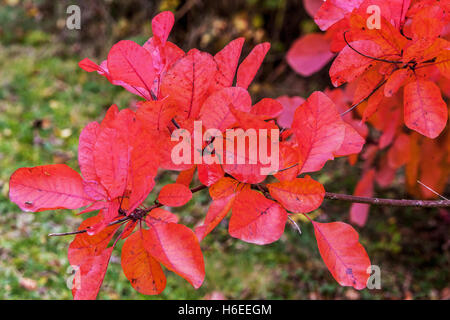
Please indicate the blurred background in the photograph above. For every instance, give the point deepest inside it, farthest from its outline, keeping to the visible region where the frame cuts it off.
(46, 99)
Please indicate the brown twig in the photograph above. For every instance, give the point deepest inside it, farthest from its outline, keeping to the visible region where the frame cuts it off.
(156, 205)
(328, 195)
(383, 201)
(389, 202)
(364, 99)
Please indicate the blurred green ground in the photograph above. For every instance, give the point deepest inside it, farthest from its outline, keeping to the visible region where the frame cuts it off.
(45, 100)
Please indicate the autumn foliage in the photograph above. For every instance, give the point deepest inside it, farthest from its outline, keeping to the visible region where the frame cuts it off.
(120, 156)
(397, 76)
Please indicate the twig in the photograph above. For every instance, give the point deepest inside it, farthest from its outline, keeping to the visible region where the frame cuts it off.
(156, 205)
(389, 202)
(370, 94)
(383, 201)
(367, 56)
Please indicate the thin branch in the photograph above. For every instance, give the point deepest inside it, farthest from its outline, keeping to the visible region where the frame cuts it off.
(382, 201)
(156, 205)
(370, 94)
(367, 56)
(389, 202)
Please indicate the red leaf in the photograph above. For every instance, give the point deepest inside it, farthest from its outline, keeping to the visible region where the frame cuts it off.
(352, 144)
(88, 65)
(350, 64)
(160, 215)
(185, 177)
(129, 62)
(174, 195)
(208, 174)
(256, 219)
(343, 255)
(47, 187)
(309, 54)
(227, 60)
(298, 195)
(312, 6)
(85, 245)
(91, 273)
(187, 82)
(140, 268)
(161, 26)
(267, 107)
(395, 82)
(177, 248)
(319, 131)
(216, 113)
(399, 154)
(86, 145)
(89, 256)
(156, 115)
(218, 209)
(332, 11)
(443, 63)
(288, 159)
(425, 111)
(360, 211)
(250, 66)
(225, 187)
(290, 104)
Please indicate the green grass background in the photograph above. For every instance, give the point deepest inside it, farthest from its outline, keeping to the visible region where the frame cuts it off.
(45, 100)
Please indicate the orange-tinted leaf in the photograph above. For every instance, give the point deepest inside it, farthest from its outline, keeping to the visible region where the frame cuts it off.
(47, 187)
(218, 209)
(395, 82)
(298, 195)
(177, 248)
(185, 177)
(256, 219)
(224, 187)
(443, 63)
(288, 159)
(208, 174)
(366, 84)
(425, 111)
(343, 255)
(350, 64)
(174, 195)
(141, 269)
(399, 154)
